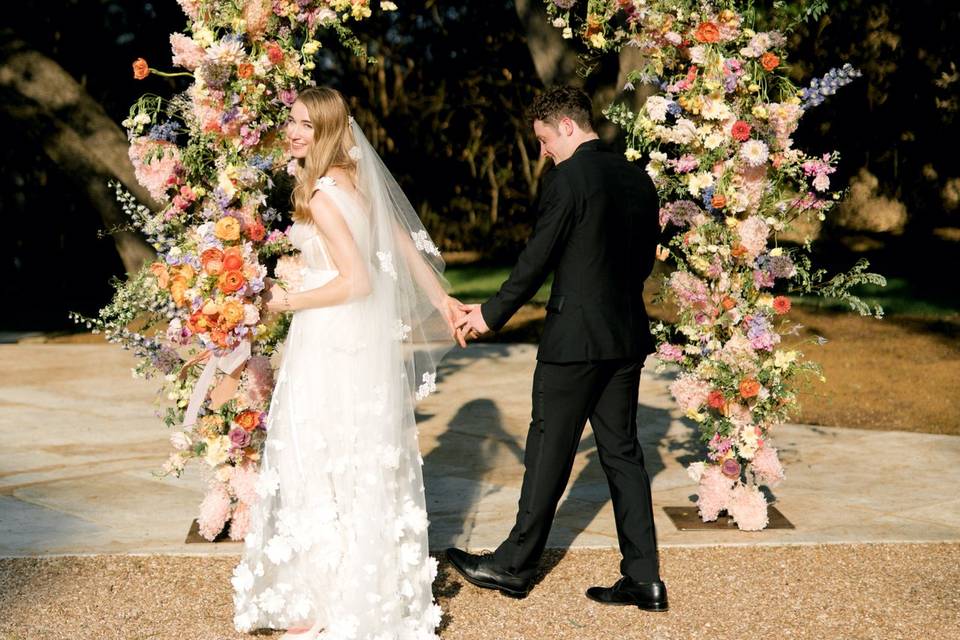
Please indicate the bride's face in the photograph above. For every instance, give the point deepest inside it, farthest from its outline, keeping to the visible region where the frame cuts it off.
(299, 131)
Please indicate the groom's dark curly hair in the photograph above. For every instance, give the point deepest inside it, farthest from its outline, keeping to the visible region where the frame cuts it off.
(561, 102)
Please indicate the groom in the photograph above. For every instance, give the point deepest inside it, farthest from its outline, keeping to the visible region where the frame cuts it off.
(597, 231)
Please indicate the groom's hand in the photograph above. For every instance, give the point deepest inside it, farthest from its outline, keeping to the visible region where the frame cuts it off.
(471, 324)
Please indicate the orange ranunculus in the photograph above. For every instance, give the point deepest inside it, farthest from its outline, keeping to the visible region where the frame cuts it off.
(211, 261)
(159, 271)
(233, 259)
(248, 420)
(210, 308)
(220, 338)
(719, 201)
(274, 53)
(178, 290)
(227, 229)
(231, 314)
(231, 281)
(244, 70)
(198, 323)
(715, 400)
(708, 33)
(728, 303)
(749, 388)
(781, 305)
(140, 69)
(256, 231)
(738, 250)
(770, 61)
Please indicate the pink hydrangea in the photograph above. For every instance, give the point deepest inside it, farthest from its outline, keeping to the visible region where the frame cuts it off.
(186, 53)
(748, 507)
(243, 482)
(766, 466)
(239, 522)
(154, 173)
(690, 392)
(689, 289)
(256, 15)
(214, 511)
(190, 7)
(714, 493)
(737, 353)
(669, 352)
(753, 234)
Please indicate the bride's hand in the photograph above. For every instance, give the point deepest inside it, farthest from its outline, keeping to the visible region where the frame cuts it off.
(275, 298)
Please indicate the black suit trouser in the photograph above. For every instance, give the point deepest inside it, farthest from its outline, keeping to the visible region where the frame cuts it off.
(564, 397)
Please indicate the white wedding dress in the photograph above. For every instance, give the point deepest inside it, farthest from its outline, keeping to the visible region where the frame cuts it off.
(339, 535)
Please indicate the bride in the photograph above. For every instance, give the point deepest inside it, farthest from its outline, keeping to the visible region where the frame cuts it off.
(337, 547)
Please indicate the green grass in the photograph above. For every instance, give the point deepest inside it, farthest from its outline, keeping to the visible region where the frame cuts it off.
(472, 283)
(899, 297)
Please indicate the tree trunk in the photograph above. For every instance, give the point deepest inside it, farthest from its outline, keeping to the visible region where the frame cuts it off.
(553, 57)
(76, 134)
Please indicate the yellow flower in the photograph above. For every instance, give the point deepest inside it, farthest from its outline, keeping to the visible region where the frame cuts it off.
(598, 41)
(387, 6)
(776, 251)
(360, 10)
(632, 154)
(227, 229)
(202, 35)
(782, 359)
(226, 184)
(218, 450)
(567, 33)
(765, 300)
(310, 47)
(759, 111)
(754, 87)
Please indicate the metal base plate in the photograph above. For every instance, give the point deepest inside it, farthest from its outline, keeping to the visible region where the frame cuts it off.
(194, 535)
(688, 519)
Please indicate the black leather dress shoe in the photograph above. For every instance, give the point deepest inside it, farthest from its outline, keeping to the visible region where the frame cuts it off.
(649, 596)
(481, 572)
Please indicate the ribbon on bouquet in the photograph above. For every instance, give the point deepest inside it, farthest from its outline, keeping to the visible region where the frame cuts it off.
(230, 364)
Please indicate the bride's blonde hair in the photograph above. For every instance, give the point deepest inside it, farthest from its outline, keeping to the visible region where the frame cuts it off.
(332, 141)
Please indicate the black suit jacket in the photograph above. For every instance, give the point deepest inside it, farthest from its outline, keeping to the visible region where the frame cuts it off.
(597, 229)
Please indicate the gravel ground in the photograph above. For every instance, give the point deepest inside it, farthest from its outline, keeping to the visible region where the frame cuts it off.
(830, 591)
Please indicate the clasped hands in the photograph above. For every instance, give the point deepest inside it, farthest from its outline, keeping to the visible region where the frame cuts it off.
(465, 320)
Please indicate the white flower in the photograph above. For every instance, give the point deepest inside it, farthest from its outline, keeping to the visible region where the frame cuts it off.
(414, 518)
(242, 579)
(754, 152)
(180, 441)
(386, 5)
(782, 359)
(715, 110)
(327, 181)
(632, 154)
(386, 263)
(267, 482)
(656, 107)
(401, 331)
(424, 243)
(698, 54)
(354, 153)
(696, 182)
(226, 52)
(821, 182)
(278, 549)
(300, 607)
(218, 450)
(567, 33)
(695, 471)
(429, 385)
(243, 622)
(559, 23)
(270, 601)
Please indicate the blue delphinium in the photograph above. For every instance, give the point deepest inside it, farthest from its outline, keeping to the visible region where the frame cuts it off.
(820, 88)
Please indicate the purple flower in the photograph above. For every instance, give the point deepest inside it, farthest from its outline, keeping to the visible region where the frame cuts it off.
(565, 4)
(762, 279)
(288, 96)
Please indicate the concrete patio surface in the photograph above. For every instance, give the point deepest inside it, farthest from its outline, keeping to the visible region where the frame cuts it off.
(83, 446)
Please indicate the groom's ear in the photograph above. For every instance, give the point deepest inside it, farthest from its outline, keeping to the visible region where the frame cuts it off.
(566, 126)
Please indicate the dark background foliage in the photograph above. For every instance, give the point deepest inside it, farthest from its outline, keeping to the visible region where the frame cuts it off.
(444, 105)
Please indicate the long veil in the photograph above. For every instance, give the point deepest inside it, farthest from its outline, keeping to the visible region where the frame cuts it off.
(402, 249)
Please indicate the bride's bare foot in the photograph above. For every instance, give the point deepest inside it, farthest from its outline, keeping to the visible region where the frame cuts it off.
(302, 633)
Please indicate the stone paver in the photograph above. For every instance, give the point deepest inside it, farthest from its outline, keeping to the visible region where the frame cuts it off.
(83, 445)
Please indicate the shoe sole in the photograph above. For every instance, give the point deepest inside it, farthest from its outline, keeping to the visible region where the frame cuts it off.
(489, 585)
(656, 608)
